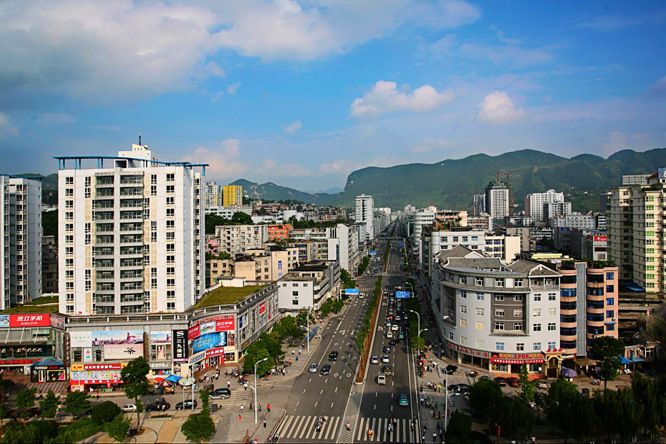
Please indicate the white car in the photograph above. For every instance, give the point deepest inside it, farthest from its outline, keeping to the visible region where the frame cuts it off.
(313, 368)
(128, 408)
(395, 327)
(389, 335)
(385, 359)
(374, 359)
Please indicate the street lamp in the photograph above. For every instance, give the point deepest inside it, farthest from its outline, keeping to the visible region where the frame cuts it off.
(255, 387)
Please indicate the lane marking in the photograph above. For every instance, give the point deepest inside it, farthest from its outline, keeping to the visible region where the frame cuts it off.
(316, 403)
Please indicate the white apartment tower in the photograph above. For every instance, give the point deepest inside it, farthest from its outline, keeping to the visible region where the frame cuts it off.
(20, 240)
(535, 204)
(131, 234)
(365, 206)
(498, 203)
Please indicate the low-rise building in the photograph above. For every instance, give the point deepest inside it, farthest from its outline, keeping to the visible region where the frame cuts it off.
(309, 286)
(235, 239)
(279, 232)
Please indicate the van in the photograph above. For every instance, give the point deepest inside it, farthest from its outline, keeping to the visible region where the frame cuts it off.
(381, 380)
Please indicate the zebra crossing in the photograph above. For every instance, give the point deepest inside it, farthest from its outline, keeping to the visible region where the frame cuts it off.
(302, 427)
(401, 431)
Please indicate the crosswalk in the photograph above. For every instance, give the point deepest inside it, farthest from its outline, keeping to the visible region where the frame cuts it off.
(401, 431)
(302, 427)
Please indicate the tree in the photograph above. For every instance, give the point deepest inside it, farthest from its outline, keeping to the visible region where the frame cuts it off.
(49, 405)
(135, 382)
(118, 427)
(25, 399)
(607, 350)
(252, 357)
(459, 428)
(484, 399)
(527, 387)
(77, 403)
(105, 412)
(560, 406)
(198, 427)
(241, 218)
(515, 416)
(34, 432)
(644, 391)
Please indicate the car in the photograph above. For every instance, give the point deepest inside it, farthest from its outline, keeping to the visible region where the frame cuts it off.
(393, 343)
(381, 379)
(128, 408)
(220, 393)
(401, 335)
(333, 356)
(387, 370)
(403, 400)
(501, 381)
(543, 385)
(386, 349)
(374, 359)
(397, 317)
(471, 373)
(395, 327)
(385, 359)
(513, 382)
(186, 405)
(451, 369)
(313, 368)
(158, 406)
(325, 370)
(389, 334)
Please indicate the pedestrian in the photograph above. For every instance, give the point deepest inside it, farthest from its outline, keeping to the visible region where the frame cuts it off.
(242, 407)
(264, 423)
(434, 436)
(268, 408)
(245, 386)
(228, 384)
(240, 417)
(259, 406)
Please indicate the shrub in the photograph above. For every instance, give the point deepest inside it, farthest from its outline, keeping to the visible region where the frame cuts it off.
(105, 412)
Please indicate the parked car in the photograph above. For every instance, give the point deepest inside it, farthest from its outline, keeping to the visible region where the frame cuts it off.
(313, 368)
(220, 393)
(501, 381)
(513, 382)
(542, 385)
(128, 408)
(325, 370)
(451, 369)
(158, 406)
(186, 405)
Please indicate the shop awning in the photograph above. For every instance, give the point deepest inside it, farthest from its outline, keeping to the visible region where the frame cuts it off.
(624, 361)
(568, 372)
(48, 362)
(637, 359)
(172, 378)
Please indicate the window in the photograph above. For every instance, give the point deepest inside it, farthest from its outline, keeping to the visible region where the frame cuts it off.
(479, 326)
(499, 297)
(499, 282)
(170, 189)
(520, 346)
(463, 309)
(610, 314)
(518, 298)
(170, 177)
(69, 181)
(463, 294)
(170, 235)
(499, 325)
(536, 346)
(536, 327)
(499, 312)
(294, 293)
(479, 311)
(499, 345)
(551, 326)
(552, 311)
(153, 179)
(610, 276)
(480, 296)
(552, 296)
(463, 323)
(610, 288)
(170, 212)
(537, 297)
(610, 301)
(478, 282)
(610, 327)
(536, 312)
(153, 190)
(451, 335)
(518, 326)
(171, 305)
(170, 200)
(517, 282)
(552, 345)
(518, 313)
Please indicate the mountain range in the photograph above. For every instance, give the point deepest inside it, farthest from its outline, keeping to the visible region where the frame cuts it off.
(452, 182)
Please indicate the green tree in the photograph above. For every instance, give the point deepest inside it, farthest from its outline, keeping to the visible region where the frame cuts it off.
(105, 412)
(515, 416)
(560, 406)
(644, 391)
(241, 218)
(607, 350)
(484, 399)
(346, 279)
(631, 413)
(251, 358)
(459, 428)
(198, 427)
(118, 427)
(77, 403)
(205, 399)
(34, 432)
(527, 387)
(25, 399)
(135, 382)
(49, 405)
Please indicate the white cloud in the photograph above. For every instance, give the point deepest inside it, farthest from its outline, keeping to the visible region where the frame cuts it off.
(6, 127)
(232, 88)
(223, 159)
(498, 107)
(293, 127)
(611, 22)
(659, 88)
(339, 167)
(271, 168)
(55, 119)
(385, 97)
(511, 53)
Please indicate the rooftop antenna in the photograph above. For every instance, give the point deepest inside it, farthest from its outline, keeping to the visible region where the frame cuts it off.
(139, 138)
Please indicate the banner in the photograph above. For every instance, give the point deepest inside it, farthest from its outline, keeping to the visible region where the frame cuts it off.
(58, 321)
(225, 323)
(122, 351)
(29, 320)
(160, 337)
(216, 352)
(104, 337)
(180, 352)
(80, 338)
(262, 308)
(210, 340)
(403, 294)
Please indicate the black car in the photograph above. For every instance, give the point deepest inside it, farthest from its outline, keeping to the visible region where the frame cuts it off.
(451, 369)
(186, 405)
(325, 370)
(158, 406)
(333, 356)
(386, 350)
(220, 393)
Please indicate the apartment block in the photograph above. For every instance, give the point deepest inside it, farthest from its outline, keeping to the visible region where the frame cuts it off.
(235, 239)
(636, 230)
(20, 240)
(498, 200)
(49, 265)
(279, 232)
(130, 233)
(540, 205)
(309, 286)
(232, 196)
(365, 214)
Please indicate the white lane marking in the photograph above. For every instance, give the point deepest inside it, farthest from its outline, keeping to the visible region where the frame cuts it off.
(298, 402)
(321, 392)
(336, 388)
(304, 390)
(316, 404)
(332, 404)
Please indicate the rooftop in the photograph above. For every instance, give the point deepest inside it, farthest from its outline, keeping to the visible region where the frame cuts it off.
(227, 295)
(313, 266)
(42, 305)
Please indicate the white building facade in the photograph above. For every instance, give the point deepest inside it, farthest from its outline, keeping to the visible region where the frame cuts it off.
(365, 206)
(235, 239)
(535, 204)
(131, 234)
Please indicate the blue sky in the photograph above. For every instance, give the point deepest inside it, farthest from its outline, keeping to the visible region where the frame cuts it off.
(303, 92)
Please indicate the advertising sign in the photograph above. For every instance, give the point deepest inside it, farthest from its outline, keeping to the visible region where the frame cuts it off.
(216, 352)
(4, 321)
(104, 337)
(352, 291)
(600, 238)
(223, 323)
(160, 337)
(210, 340)
(180, 351)
(58, 321)
(403, 294)
(123, 351)
(29, 320)
(80, 338)
(262, 308)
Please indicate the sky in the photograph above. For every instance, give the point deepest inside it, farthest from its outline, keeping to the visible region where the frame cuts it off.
(302, 92)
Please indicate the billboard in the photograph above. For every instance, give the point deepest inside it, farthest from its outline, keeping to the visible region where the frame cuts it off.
(25, 320)
(80, 338)
(403, 294)
(107, 337)
(262, 308)
(180, 350)
(160, 337)
(122, 351)
(210, 340)
(224, 323)
(352, 292)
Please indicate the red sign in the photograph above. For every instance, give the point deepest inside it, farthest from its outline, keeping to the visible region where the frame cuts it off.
(225, 324)
(215, 352)
(24, 361)
(469, 351)
(193, 332)
(262, 308)
(108, 382)
(600, 238)
(109, 366)
(495, 360)
(211, 325)
(30, 320)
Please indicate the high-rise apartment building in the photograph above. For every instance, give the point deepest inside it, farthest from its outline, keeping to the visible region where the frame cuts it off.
(535, 204)
(130, 234)
(498, 200)
(20, 240)
(232, 196)
(479, 205)
(636, 229)
(365, 206)
(212, 196)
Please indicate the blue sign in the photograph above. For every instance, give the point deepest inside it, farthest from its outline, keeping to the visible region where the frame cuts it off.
(352, 291)
(403, 294)
(210, 340)
(372, 253)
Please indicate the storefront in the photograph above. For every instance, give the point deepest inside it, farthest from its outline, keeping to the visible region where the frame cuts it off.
(466, 355)
(213, 341)
(96, 377)
(48, 370)
(514, 362)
